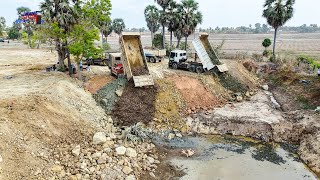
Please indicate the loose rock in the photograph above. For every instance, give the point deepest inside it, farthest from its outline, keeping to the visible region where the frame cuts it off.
(121, 150)
(265, 87)
(127, 170)
(76, 150)
(99, 138)
(131, 152)
(171, 136)
(131, 177)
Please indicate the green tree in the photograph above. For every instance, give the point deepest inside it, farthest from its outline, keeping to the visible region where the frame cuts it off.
(98, 12)
(152, 16)
(107, 29)
(173, 17)
(2, 25)
(277, 13)
(118, 25)
(164, 4)
(191, 17)
(266, 43)
(61, 15)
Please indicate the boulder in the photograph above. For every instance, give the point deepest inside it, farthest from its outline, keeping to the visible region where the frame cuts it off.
(99, 138)
(265, 87)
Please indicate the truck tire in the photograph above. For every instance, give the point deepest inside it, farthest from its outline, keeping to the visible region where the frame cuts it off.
(192, 69)
(199, 69)
(148, 59)
(152, 59)
(175, 66)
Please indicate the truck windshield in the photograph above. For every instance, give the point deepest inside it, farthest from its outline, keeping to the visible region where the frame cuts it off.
(172, 55)
(118, 58)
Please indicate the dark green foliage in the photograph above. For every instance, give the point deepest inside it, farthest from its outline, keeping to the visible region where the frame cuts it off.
(266, 43)
(267, 53)
(157, 41)
(118, 25)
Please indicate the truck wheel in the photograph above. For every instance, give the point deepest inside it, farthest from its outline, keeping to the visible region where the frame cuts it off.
(199, 69)
(148, 59)
(192, 69)
(153, 60)
(175, 66)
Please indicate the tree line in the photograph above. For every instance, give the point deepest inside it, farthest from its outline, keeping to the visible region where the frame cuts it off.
(180, 19)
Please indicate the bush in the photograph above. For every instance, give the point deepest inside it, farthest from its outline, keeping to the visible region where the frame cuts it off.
(183, 45)
(157, 41)
(266, 43)
(267, 53)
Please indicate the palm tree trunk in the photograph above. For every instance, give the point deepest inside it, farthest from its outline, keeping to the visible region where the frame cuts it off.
(178, 43)
(274, 44)
(170, 39)
(163, 37)
(185, 46)
(152, 39)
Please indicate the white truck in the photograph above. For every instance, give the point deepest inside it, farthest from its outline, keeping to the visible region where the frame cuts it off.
(208, 58)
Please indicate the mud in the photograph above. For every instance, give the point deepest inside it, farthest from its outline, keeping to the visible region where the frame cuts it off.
(135, 105)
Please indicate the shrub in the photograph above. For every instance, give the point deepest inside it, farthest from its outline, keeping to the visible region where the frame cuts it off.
(267, 53)
(266, 43)
(106, 46)
(183, 46)
(157, 41)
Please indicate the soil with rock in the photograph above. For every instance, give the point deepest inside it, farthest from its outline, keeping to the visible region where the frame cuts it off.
(106, 97)
(140, 71)
(135, 105)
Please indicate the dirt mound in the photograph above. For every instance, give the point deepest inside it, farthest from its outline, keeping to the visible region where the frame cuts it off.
(140, 71)
(231, 83)
(135, 105)
(195, 94)
(97, 82)
(250, 66)
(32, 124)
(106, 97)
(168, 106)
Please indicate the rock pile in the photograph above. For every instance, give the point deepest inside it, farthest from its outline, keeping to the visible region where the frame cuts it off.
(108, 156)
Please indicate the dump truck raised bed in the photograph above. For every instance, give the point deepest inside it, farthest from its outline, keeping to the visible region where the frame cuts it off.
(205, 51)
(134, 60)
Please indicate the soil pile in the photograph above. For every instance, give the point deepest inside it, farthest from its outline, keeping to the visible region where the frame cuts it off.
(135, 105)
(97, 82)
(168, 106)
(231, 83)
(140, 71)
(195, 94)
(107, 97)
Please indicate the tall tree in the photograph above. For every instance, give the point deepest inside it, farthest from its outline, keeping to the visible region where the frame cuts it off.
(107, 29)
(61, 15)
(164, 4)
(191, 17)
(118, 25)
(152, 16)
(98, 12)
(173, 17)
(277, 13)
(2, 25)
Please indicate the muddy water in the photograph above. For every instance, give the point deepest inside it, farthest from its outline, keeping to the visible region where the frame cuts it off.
(229, 158)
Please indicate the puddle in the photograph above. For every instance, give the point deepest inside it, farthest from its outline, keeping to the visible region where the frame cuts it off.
(229, 158)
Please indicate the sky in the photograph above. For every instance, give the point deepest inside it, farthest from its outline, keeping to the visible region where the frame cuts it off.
(222, 13)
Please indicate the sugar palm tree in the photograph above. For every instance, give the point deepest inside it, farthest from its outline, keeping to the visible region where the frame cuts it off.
(277, 13)
(164, 4)
(118, 25)
(64, 14)
(191, 17)
(152, 16)
(173, 17)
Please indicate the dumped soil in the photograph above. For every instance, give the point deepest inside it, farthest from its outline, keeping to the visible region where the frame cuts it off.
(140, 71)
(231, 83)
(195, 94)
(97, 82)
(107, 97)
(135, 105)
(168, 106)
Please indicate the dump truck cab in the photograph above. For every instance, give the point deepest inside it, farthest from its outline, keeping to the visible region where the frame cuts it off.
(177, 56)
(115, 64)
